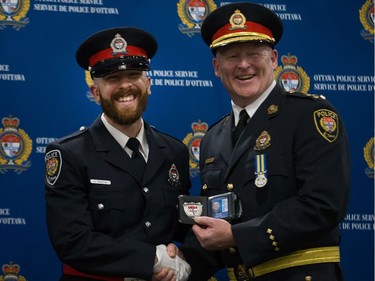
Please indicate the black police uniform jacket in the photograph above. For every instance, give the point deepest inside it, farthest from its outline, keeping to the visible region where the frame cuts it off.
(306, 196)
(101, 220)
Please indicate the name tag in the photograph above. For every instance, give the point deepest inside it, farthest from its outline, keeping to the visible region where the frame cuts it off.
(103, 182)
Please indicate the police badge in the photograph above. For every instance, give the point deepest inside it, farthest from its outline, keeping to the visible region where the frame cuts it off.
(222, 206)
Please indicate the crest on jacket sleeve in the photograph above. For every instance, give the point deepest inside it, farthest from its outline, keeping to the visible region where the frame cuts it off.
(53, 166)
(326, 122)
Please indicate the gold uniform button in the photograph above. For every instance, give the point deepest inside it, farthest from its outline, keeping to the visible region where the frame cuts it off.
(230, 186)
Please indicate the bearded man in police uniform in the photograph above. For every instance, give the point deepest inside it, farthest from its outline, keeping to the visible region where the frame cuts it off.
(289, 166)
(108, 218)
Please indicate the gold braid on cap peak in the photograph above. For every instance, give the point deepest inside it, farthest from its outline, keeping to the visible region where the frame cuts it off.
(240, 37)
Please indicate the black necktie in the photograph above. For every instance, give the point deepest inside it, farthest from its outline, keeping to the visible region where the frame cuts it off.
(139, 161)
(240, 126)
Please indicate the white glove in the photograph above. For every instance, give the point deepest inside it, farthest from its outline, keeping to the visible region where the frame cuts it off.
(180, 268)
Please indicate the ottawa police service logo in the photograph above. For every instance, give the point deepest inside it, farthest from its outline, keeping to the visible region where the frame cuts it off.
(193, 141)
(15, 146)
(367, 18)
(13, 13)
(53, 162)
(368, 152)
(292, 77)
(11, 272)
(192, 13)
(326, 123)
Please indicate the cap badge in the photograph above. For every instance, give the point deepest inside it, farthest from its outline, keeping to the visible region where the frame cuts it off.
(174, 176)
(263, 141)
(237, 20)
(118, 45)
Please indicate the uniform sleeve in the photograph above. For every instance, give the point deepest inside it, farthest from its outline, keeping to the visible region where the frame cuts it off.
(321, 168)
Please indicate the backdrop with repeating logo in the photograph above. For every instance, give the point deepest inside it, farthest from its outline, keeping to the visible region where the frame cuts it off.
(327, 49)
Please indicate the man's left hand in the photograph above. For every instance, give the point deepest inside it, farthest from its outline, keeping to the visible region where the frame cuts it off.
(213, 234)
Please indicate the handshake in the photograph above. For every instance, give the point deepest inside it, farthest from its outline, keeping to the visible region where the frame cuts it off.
(180, 268)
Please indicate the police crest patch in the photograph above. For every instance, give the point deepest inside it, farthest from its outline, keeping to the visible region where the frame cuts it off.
(53, 166)
(326, 123)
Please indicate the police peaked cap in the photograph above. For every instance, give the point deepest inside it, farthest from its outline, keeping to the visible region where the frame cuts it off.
(116, 49)
(241, 22)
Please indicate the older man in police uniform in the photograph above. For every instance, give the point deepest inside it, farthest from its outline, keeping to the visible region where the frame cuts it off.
(288, 164)
(112, 189)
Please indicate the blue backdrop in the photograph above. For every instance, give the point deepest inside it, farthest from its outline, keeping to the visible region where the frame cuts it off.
(327, 48)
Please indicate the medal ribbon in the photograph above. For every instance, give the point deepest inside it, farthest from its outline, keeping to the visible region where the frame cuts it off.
(260, 170)
(260, 164)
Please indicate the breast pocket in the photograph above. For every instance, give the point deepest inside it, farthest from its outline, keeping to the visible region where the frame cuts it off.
(170, 196)
(212, 180)
(106, 208)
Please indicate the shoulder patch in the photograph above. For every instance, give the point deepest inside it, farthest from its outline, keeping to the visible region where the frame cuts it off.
(53, 162)
(326, 122)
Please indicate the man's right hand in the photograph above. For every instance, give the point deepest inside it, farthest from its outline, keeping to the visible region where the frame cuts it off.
(164, 274)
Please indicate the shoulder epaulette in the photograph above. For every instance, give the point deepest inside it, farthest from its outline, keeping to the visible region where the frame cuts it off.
(223, 119)
(81, 130)
(305, 95)
(152, 127)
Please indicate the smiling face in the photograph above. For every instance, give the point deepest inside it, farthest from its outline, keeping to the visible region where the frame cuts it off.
(246, 70)
(123, 96)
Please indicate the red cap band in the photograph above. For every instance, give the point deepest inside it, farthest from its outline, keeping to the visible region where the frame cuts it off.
(248, 27)
(109, 54)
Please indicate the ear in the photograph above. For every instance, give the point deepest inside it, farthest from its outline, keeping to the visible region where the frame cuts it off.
(274, 58)
(94, 89)
(215, 64)
(148, 85)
